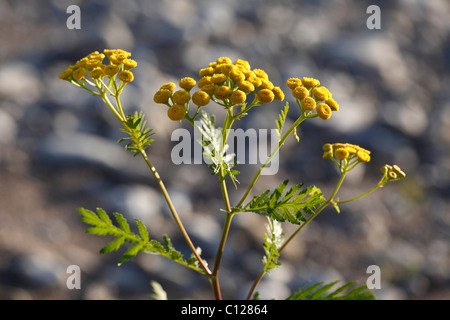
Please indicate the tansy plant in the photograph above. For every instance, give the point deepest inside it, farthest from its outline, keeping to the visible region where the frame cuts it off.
(237, 88)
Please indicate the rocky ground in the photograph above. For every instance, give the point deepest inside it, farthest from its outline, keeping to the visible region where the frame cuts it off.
(58, 146)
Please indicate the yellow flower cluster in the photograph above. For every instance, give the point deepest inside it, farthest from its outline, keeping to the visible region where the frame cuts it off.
(231, 82)
(311, 97)
(92, 66)
(343, 151)
(177, 101)
(223, 80)
(393, 172)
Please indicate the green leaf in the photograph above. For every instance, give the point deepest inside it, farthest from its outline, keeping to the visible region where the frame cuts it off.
(113, 245)
(131, 252)
(138, 134)
(320, 291)
(142, 230)
(290, 207)
(104, 216)
(282, 119)
(123, 223)
(102, 225)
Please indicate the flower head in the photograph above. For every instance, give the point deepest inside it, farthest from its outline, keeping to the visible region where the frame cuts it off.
(200, 98)
(265, 96)
(176, 112)
(238, 97)
(162, 96)
(126, 76)
(321, 93)
(310, 82)
(324, 111)
(187, 83)
(181, 97)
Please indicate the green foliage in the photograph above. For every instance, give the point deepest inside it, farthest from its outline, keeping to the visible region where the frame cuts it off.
(102, 225)
(272, 242)
(290, 207)
(139, 135)
(158, 292)
(215, 149)
(280, 123)
(319, 291)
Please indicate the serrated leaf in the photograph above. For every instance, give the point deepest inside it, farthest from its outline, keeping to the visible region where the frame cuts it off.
(113, 245)
(123, 223)
(319, 291)
(142, 230)
(131, 252)
(290, 207)
(104, 216)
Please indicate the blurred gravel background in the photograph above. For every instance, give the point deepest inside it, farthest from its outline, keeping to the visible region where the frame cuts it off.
(58, 146)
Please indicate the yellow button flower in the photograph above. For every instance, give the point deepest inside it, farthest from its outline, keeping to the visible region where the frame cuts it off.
(224, 60)
(310, 82)
(200, 98)
(169, 86)
(209, 71)
(111, 70)
(324, 111)
(222, 92)
(187, 83)
(204, 81)
(363, 156)
(242, 64)
(246, 86)
(162, 96)
(236, 75)
(66, 73)
(300, 92)
(79, 73)
(265, 96)
(224, 68)
(333, 104)
(254, 80)
(308, 103)
(321, 93)
(341, 153)
(293, 83)
(238, 97)
(218, 78)
(279, 94)
(96, 73)
(261, 74)
(181, 97)
(266, 84)
(126, 76)
(176, 112)
(209, 88)
(129, 64)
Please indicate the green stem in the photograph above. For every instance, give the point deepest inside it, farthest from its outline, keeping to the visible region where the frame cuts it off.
(310, 218)
(173, 211)
(161, 185)
(274, 152)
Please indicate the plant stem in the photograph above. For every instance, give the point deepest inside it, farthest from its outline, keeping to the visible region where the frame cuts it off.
(173, 211)
(304, 224)
(122, 118)
(274, 152)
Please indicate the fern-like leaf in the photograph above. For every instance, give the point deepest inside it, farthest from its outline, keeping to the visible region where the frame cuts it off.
(214, 148)
(139, 135)
(282, 119)
(321, 291)
(291, 206)
(102, 225)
